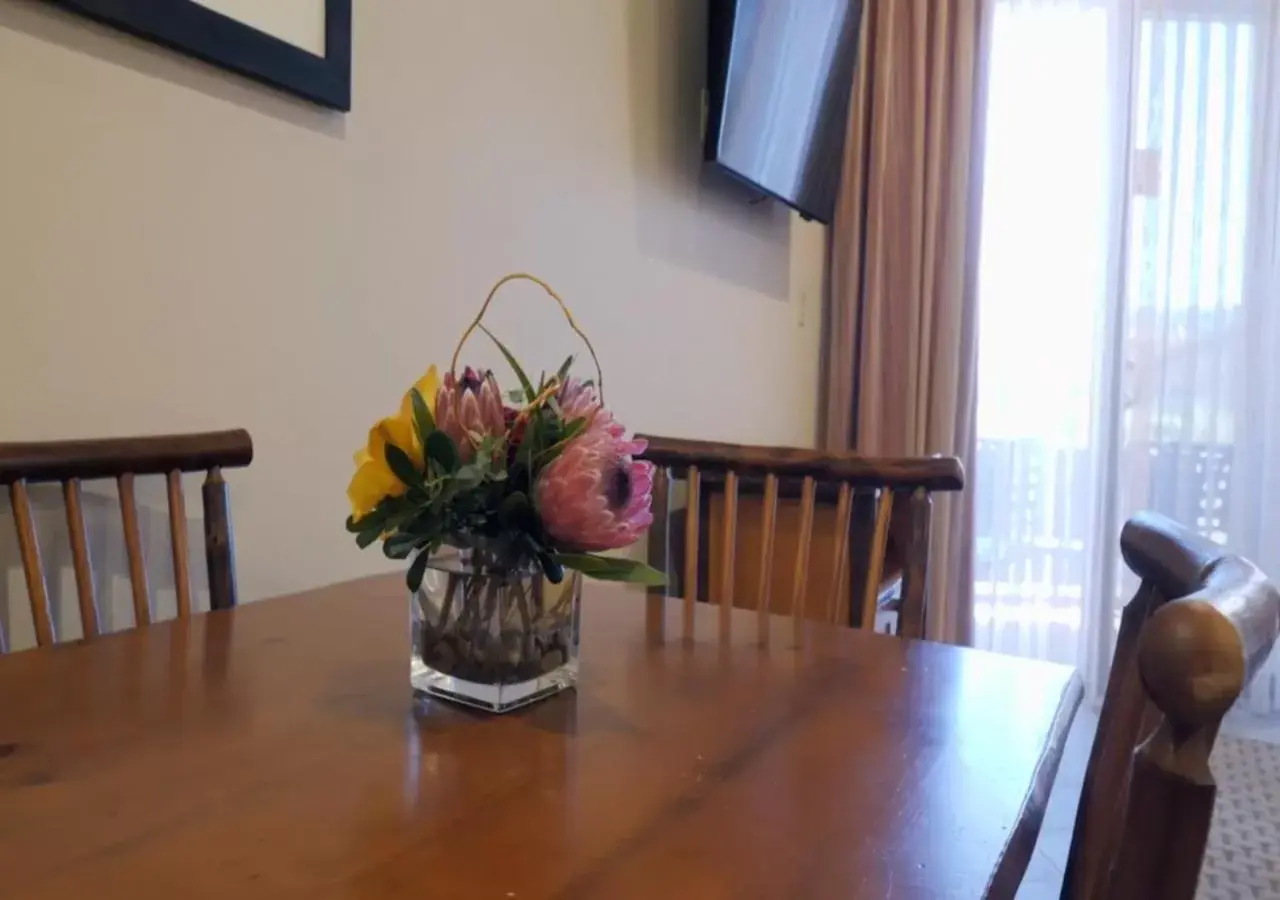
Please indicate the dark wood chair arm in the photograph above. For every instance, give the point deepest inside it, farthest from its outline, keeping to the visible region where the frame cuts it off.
(111, 457)
(1198, 652)
(1173, 559)
(933, 473)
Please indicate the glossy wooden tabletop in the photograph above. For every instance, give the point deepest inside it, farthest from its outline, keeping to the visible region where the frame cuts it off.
(273, 751)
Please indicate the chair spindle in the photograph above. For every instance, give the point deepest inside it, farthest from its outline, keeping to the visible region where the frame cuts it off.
(659, 554)
(691, 518)
(862, 526)
(800, 582)
(879, 544)
(728, 541)
(839, 591)
(133, 547)
(80, 556)
(769, 528)
(915, 576)
(219, 543)
(178, 535)
(29, 548)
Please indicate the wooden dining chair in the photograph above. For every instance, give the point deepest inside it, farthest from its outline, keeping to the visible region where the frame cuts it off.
(1200, 626)
(866, 490)
(72, 462)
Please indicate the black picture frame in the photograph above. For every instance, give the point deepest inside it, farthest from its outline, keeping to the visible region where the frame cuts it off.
(193, 29)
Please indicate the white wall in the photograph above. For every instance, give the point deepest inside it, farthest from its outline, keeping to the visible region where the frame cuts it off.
(181, 249)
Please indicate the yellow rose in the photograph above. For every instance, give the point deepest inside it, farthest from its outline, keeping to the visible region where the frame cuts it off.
(374, 480)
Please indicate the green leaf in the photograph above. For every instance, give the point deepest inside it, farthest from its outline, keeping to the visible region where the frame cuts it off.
(469, 476)
(396, 511)
(399, 546)
(422, 417)
(440, 450)
(571, 431)
(365, 538)
(375, 518)
(529, 393)
(611, 568)
(417, 569)
(563, 372)
(355, 526)
(488, 447)
(402, 466)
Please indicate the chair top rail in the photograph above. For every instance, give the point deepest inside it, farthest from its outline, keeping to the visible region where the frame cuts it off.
(46, 461)
(933, 473)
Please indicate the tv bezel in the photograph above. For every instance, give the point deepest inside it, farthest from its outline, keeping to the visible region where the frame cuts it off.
(721, 20)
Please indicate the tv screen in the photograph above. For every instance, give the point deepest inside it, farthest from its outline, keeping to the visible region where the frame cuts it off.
(780, 79)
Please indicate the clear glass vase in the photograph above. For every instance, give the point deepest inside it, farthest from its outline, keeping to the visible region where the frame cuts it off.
(492, 637)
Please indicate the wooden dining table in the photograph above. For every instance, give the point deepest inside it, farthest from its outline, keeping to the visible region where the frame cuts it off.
(276, 751)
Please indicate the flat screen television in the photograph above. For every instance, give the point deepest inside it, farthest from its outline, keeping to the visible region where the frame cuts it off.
(779, 82)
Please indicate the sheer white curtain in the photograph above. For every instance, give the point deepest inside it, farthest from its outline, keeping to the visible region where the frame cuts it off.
(1129, 317)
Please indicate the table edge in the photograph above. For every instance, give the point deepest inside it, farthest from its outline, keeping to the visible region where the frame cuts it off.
(1015, 856)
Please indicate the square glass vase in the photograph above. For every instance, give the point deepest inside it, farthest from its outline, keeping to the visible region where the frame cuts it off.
(492, 638)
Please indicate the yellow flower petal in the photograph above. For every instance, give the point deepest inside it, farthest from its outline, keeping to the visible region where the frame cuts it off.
(428, 386)
(372, 483)
(398, 431)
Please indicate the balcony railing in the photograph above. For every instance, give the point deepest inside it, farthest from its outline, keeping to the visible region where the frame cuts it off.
(1035, 537)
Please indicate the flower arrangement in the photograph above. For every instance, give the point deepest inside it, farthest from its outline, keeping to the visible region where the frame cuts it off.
(541, 478)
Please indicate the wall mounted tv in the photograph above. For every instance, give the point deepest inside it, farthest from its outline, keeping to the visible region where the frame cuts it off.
(779, 81)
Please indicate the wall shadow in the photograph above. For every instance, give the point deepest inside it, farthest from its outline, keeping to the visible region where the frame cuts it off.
(688, 213)
(107, 555)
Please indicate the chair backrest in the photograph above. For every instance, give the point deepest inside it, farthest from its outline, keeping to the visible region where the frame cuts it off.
(71, 462)
(866, 493)
(1201, 625)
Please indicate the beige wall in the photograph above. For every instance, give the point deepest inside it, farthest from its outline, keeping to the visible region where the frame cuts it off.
(181, 249)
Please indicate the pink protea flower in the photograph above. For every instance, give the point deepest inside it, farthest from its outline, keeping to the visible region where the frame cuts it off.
(578, 400)
(595, 496)
(469, 409)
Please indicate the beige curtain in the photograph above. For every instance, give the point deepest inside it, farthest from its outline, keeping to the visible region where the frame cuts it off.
(900, 347)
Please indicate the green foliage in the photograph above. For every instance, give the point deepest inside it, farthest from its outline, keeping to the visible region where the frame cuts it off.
(402, 466)
(611, 568)
(441, 452)
(417, 569)
(571, 431)
(422, 418)
(399, 546)
(527, 386)
(562, 374)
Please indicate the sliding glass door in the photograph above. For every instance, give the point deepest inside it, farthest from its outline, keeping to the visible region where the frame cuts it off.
(1127, 304)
